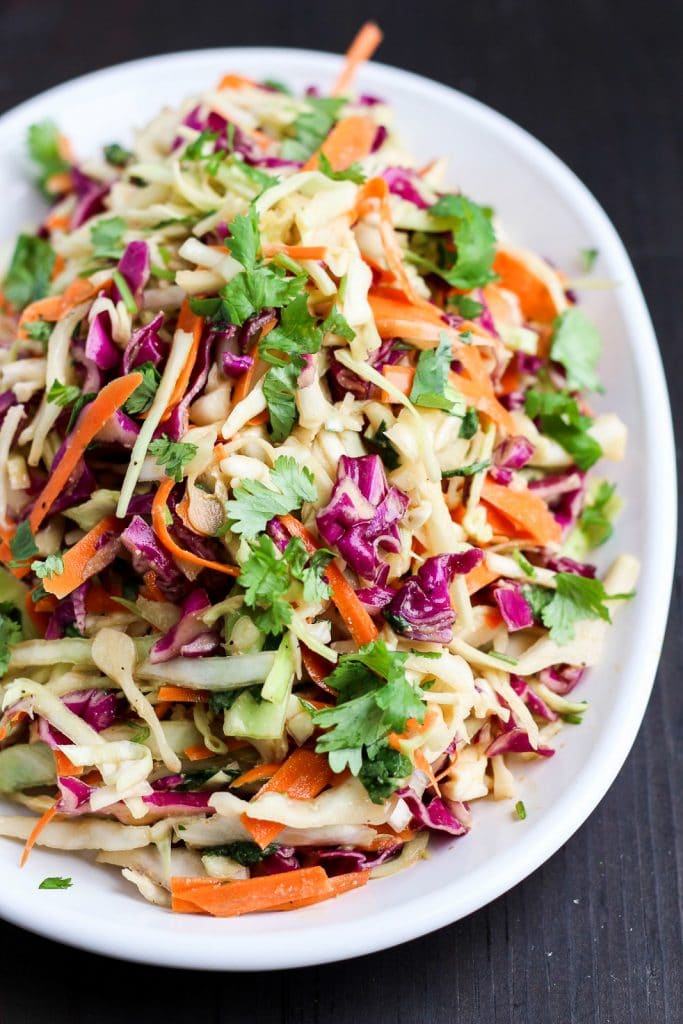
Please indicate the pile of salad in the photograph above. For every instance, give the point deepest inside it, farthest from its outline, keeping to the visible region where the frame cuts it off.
(295, 513)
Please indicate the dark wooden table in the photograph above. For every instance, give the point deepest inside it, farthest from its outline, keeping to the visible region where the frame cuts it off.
(595, 934)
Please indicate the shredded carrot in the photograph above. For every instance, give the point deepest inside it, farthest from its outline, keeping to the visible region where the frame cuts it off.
(81, 561)
(423, 764)
(500, 524)
(401, 377)
(534, 295)
(361, 50)
(480, 577)
(65, 767)
(492, 618)
(244, 381)
(161, 530)
(99, 602)
(92, 419)
(525, 509)
(194, 325)
(58, 266)
(163, 708)
(260, 773)
(259, 419)
(265, 892)
(44, 820)
(302, 777)
(150, 578)
(401, 319)
(13, 719)
(57, 222)
(413, 729)
(55, 307)
(339, 884)
(233, 81)
(182, 694)
(350, 140)
(317, 667)
(39, 616)
(296, 252)
(477, 387)
(354, 613)
(61, 182)
(198, 753)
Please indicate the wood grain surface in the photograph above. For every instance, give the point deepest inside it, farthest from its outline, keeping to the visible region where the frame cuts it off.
(594, 935)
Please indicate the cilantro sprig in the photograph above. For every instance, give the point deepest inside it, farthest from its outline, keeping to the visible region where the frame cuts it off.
(272, 580)
(173, 455)
(311, 128)
(51, 566)
(10, 632)
(468, 262)
(561, 419)
(143, 396)
(575, 599)
(431, 388)
(107, 238)
(30, 270)
(577, 345)
(44, 151)
(254, 504)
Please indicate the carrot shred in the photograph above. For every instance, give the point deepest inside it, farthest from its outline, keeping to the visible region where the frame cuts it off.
(265, 892)
(318, 668)
(92, 419)
(339, 884)
(525, 509)
(182, 694)
(244, 381)
(478, 388)
(66, 767)
(162, 532)
(55, 307)
(260, 773)
(302, 777)
(233, 81)
(58, 266)
(534, 296)
(98, 602)
(57, 222)
(479, 578)
(81, 561)
(152, 587)
(12, 720)
(198, 752)
(355, 615)
(194, 325)
(350, 139)
(296, 252)
(362, 47)
(423, 764)
(44, 820)
(401, 377)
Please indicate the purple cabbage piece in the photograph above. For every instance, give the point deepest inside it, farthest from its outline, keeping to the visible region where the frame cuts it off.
(147, 553)
(379, 139)
(564, 564)
(284, 859)
(144, 346)
(515, 741)
(205, 547)
(401, 182)
(80, 486)
(134, 267)
(562, 679)
(69, 611)
(513, 401)
(251, 329)
(90, 197)
(513, 453)
(565, 494)
(7, 400)
(500, 476)
(513, 606)
(119, 429)
(141, 504)
(180, 803)
(363, 514)
(485, 318)
(99, 346)
(74, 795)
(233, 365)
(421, 609)
(376, 597)
(343, 862)
(343, 380)
(187, 629)
(366, 100)
(436, 815)
(532, 700)
(278, 534)
(98, 708)
(527, 364)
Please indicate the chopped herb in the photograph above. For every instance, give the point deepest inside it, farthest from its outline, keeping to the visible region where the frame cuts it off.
(53, 565)
(520, 810)
(471, 470)
(311, 128)
(279, 385)
(22, 545)
(385, 449)
(561, 419)
(80, 402)
(253, 504)
(524, 563)
(272, 83)
(335, 323)
(470, 265)
(572, 718)
(352, 173)
(242, 852)
(470, 424)
(596, 519)
(107, 238)
(143, 396)
(222, 700)
(44, 150)
(56, 883)
(10, 632)
(576, 599)
(431, 388)
(30, 270)
(384, 772)
(577, 345)
(125, 292)
(588, 258)
(62, 394)
(296, 335)
(117, 155)
(466, 307)
(139, 733)
(172, 454)
(268, 578)
(39, 330)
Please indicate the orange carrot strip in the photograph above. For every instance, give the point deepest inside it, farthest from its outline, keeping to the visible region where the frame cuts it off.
(318, 668)
(161, 530)
(55, 307)
(500, 524)
(98, 602)
(198, 753)
(13, 719)
(244, 381)
(183, 694)
(230, 899)
(479, 578)
(58, 266)
(526, 510)
(423, 764)
(150, 578)
(401, 377)
(296, 252)
(302, 777)
(361, 50)
(355, 615)
(259, 419)
(233, 81)
(44, 820)
(260, 773)
(65, 766)
(534, 296)
(395, 317)
(194, 325)
(350, 140)
(92, 419)
(57, 222)
(339, 884)
(81, 561)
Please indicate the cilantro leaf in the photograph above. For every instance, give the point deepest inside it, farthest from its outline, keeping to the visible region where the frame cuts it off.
(335, 323)
(470, 424)
(596, 519)
(116, 154)
(28, 277)
(202, 147)
(173, 455)
(588, 258)
(56, 883)
(316, 587)
(53, 565)
(39, 330)
(143, 396)
(242, 851)
(22, 545)
(576, 598)
(537, 598)
(431, 388)
(253, 504)
(269, 580)
(222, 700)
(10, 632)
(561, 419)
(312, 127)
(296, 334)
(62, 394)
(279, 385)
(107, 238)
(577, 345)
(244, 240)
(384, 773)
(43, 148)
(250, 292)
(352, 173)
(80, 402)
(474, 240)
(467, 307)
(384, 447)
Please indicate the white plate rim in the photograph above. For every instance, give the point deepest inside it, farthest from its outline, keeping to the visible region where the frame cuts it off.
(413, 919)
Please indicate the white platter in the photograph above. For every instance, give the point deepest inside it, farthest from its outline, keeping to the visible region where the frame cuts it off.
(544, 206)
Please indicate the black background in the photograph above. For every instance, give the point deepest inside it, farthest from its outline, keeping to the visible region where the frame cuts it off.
(594, 935)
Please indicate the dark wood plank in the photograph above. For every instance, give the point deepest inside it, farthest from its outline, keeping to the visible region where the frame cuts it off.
(595, 935)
